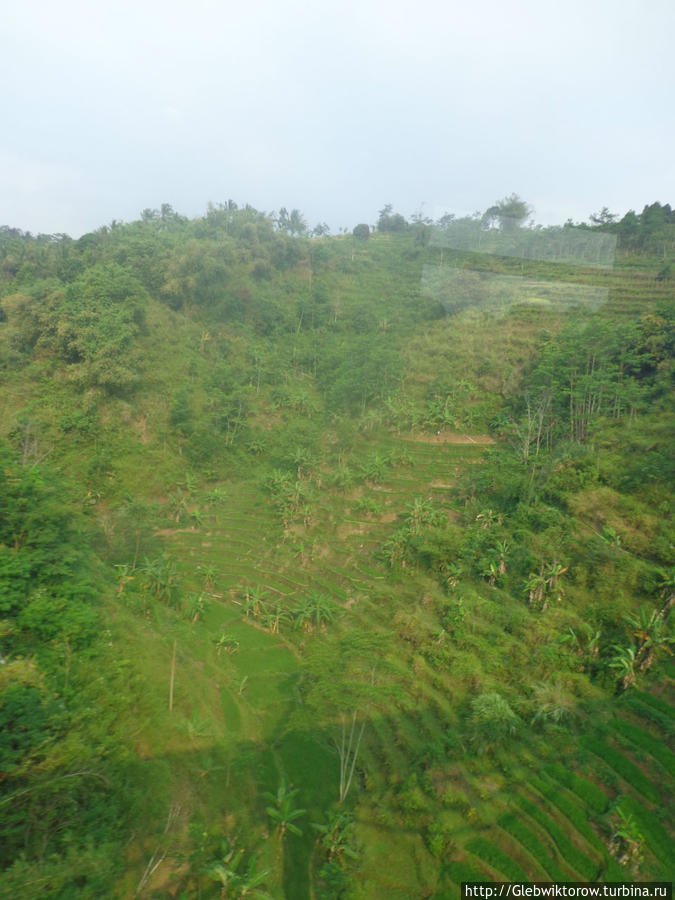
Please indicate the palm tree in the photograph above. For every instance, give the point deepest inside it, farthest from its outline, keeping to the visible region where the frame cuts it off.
(453, 573)
(584, 644)
(197, 607)
(627, 842)
(209, 573)
(502, 549)
(123, 577)
(254, 601)
(217, 495)
(197, 517)
(624, 662)
(272, 617)
(227, 643)
(178, 505)
(491, 572)
(282, 809)
(160, 577)
(553, 574)
(652, 635)
(488, 518)
(336, 837)
(236, 884)
(314, 611)
(536, 588)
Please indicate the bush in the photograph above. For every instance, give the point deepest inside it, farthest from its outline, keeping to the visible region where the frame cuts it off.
(492, 721)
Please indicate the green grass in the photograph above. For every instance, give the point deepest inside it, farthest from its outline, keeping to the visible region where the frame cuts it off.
(570, 810)
(515, 827)
(667, 709)
(646, 742)
(241, 721)
(588, 793)
(496, 859)
(651, 713)
(623, 767)
(573, 857)
(654, 834)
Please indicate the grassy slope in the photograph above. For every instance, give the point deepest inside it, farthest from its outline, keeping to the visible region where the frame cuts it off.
(237, 723)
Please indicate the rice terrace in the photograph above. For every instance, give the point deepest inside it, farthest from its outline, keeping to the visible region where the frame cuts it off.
(336, 566)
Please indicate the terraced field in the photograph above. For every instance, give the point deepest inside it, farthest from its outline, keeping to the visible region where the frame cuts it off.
(523, 815)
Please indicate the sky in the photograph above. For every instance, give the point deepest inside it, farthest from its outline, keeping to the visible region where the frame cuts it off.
(336, 109)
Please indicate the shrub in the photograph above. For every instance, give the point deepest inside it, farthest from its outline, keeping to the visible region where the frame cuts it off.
(492, 721)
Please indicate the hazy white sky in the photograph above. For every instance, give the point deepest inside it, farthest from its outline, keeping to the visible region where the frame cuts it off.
(112, 106)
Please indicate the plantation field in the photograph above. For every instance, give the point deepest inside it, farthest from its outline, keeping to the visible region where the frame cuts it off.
(313, 589)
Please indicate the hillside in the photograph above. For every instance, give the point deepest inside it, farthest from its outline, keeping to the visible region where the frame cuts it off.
(320, 580)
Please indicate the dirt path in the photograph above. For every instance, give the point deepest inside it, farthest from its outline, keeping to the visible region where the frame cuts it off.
(448, 437)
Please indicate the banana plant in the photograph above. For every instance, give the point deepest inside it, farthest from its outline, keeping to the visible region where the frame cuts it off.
(282, 809)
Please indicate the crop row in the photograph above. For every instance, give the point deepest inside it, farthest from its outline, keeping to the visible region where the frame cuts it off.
(589, 793)
(652, 714)
(623, 767)
(651, 830)
(571, 854)
(657, 703)
(646, 742)
(514, 826)
(575, 814)
(496, 859)
(458, 872)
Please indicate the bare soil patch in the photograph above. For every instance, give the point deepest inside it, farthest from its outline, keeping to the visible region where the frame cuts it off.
(448, 437)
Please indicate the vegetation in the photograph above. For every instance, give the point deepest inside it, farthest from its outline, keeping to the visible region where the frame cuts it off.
(307, 585)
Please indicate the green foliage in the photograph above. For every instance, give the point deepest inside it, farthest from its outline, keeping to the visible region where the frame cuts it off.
(578, 861)
(589, 794)
(492, 721)
(645, 741)
(496, 859)
(575, 813)
(282, 809)
(90, 324)
(623, 767)
(515, 827)
(305, 366)
(45, 565)
(25, 724)
(655, 835)
(458, 872)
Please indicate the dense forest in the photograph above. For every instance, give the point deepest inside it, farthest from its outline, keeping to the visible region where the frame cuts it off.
(336, 566)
